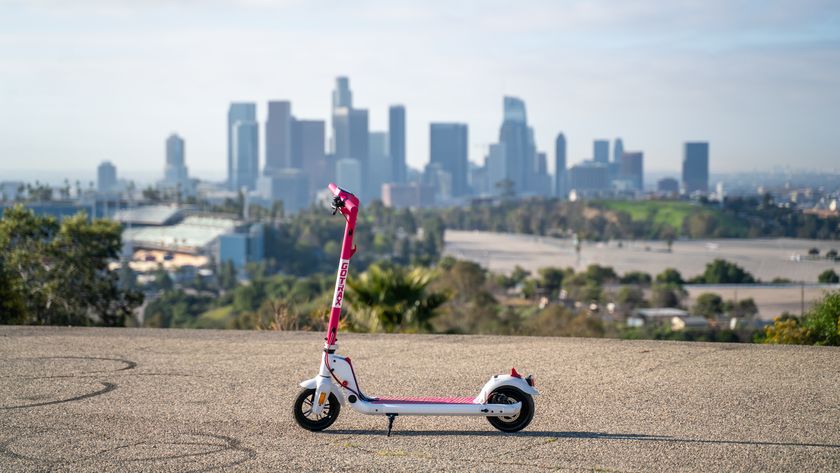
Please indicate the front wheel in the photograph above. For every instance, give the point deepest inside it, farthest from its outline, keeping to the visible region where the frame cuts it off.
(512, 395)
(309, 421)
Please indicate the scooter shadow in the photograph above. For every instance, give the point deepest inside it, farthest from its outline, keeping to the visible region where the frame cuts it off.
(577, 435)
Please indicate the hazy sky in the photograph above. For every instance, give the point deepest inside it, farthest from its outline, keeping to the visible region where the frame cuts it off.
(84, 81)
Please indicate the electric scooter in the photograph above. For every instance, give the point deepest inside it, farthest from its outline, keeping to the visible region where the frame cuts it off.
(506, 400)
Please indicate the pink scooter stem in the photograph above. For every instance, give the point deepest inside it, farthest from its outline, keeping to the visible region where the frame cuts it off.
(348, 205)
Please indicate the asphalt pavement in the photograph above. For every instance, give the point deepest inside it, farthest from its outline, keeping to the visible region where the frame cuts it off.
(95, 399)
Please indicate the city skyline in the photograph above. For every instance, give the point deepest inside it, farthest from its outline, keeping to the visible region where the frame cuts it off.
(759, 83)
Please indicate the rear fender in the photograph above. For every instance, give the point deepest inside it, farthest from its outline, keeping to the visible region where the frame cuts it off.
(504, 380)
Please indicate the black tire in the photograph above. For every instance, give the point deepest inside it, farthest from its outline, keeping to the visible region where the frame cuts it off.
(303, 403)
(512, 395)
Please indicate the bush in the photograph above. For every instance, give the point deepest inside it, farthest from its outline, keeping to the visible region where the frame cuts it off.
(828, 277)
(819, 326)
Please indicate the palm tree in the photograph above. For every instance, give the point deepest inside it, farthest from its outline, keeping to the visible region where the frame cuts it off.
(393, 299)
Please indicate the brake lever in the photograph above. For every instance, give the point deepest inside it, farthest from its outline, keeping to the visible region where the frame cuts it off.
(337, 203)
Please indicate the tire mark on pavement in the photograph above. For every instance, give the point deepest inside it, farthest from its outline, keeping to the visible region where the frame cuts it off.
(128, 365)
(108, 387)
(228, 444)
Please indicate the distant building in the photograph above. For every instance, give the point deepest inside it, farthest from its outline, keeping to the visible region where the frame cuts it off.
(308, 140)
(495, 163)
(10, 190)
(243, 247)
(632, 169)
(439, 179)
(655, 316)
(246, 154)
(348, 174)
(560, 178)
(149, 216)
(668, 185)
(589, 177)
(106, 177)
(407, 195)
(448, 148)
(618, 150)
(237, 112)
(691, 322)
(290, 186)
(342, 97)
(695, 169)
(175, 174)
(542, 181)
(477, 179)
(519, 152)
(352, 141)
(601, 151)
(278, 136)
(396, 142)
(379, 161)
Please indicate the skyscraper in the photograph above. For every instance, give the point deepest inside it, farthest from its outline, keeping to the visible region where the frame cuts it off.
(632, 169)
(175, 173)
(379, 163)
(342, 96)
(618, 150)
(448, 148)
(695, 169)
(308, 151)
(246, 152)
(560, 182)
(106, 177)
(516, 138)
(348, 174)
(601, 151)
(396, 139)
(495, 163)
(238, 111)
(278, 136)
(351, 141)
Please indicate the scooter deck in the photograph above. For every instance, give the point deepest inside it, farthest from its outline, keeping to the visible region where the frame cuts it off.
(424, 400)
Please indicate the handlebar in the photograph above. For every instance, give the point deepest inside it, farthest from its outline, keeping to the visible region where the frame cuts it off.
(342, 199)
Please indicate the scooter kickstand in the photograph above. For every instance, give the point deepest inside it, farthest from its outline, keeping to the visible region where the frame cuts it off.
(391, 418)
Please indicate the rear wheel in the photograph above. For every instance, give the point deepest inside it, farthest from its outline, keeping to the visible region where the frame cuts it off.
(511, 395)
(310, 421)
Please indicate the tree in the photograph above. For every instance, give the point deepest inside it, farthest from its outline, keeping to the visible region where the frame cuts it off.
(600, 274)
(667, 295)
(163, 282)
(828, 277)
(394, 298)
(519, 274)
(551, 278)
(721, 271)
(823, 320)
(58, 273)
(831, 254)
(630, 298)
(708, 305)
(670, 276)
(745, 308)
(636, 277)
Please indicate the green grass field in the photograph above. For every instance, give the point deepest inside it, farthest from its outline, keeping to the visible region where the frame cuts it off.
(662, 213)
